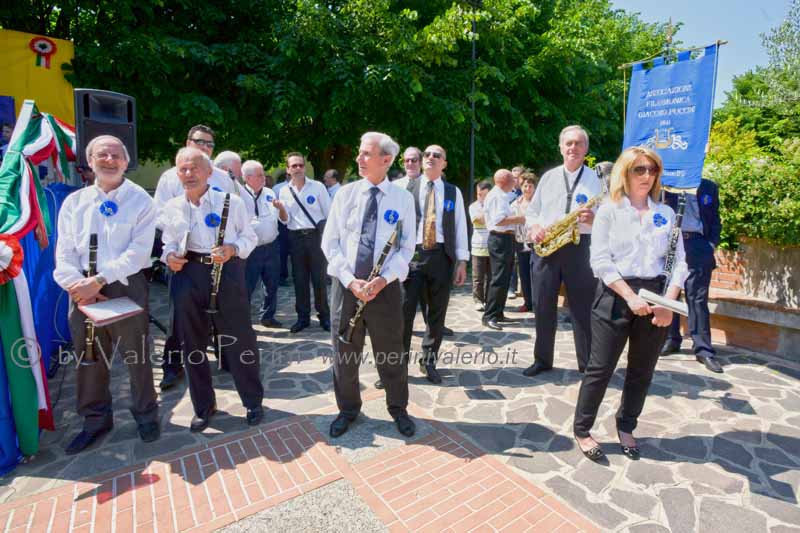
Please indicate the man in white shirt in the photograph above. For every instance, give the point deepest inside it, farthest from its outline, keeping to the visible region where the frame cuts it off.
(192, 225)
(363, 218)
(231, 162)
(331, 181)
(264, 261)
(281, 179)
(442, 249)
(563, 190)
(412, 163)
(500, 222)
(118, 217)
(307, 201)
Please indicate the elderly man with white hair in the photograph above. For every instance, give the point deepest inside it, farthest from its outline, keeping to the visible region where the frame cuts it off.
(264, 262)
(110, 224)
(192, 225)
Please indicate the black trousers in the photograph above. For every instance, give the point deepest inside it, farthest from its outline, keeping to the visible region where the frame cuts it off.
(172, 359)
(429, 279)
(614, 324)
(283, 246)
(383, 319)
(524, 260)
(569, 265)
(309, 266)
(481, 272)
(501, 260)
(263, 264)
(191, 291)
(700, 259)
(128, 337)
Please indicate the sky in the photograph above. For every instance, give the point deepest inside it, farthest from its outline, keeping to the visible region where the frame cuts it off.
(740, 22)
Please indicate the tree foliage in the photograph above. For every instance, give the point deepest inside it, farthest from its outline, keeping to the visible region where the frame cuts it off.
(272, 76)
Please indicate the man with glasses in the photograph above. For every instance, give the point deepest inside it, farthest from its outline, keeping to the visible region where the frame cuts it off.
(412, 163)
(308, 203)
(169, 187)
(563, 190)
(120, 216)
(441, 250)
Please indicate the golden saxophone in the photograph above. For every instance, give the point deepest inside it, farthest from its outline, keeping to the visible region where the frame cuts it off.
(564, 231)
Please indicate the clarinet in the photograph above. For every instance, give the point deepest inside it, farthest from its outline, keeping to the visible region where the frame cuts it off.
(216, 269)
(89, 357)
(347, 337)
(675, 234)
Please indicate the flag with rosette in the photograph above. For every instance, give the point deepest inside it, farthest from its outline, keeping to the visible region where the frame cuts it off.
(37, 137)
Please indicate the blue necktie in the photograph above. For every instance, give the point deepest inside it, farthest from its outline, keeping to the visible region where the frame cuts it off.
(366, 244)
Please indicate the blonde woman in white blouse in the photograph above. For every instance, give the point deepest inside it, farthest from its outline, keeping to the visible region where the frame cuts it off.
(630, 240)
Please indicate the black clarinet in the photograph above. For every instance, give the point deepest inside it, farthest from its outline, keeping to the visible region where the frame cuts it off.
(674, 236)
(89, 357)
(216, 269)
(347, 336)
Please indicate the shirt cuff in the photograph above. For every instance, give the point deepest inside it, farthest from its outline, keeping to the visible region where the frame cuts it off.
(389, 276)
(346, 277)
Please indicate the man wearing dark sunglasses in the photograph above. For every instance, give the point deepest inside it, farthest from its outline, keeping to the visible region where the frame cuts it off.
(412, 163)
(441, 250)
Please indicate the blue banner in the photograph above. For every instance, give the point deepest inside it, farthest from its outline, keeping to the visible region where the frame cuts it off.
(669, 110)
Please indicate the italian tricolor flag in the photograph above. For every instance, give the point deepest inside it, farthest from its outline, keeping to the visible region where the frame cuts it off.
(37, 137)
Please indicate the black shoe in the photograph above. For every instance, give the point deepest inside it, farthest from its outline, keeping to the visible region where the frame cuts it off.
(504, 318)
(536, 369)
(170, 379)
(339, 426)
(149, 432)
(198, 423)
(255, 415)
(84, 439)
(300, 325)
(325, 324)
(631, 452)
(379, 385)
(492, 324)
(670, 347)
(447, 332)
(429, 369)
(710, 363)
(271, 323)
(405, 425)
(595, 454)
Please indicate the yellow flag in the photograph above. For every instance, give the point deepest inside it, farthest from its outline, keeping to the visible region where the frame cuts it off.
(31, 67)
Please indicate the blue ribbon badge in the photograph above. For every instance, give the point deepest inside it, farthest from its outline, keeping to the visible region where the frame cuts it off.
(215, 188)
(391, 216)
(108, 208)
(449, 205)
(213, 220)
(659, 220)
(706, 199)
(310, 200)
(581, 199)
(268, 198)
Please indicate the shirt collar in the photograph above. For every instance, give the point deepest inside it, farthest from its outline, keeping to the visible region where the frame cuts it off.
(626, 202)
(572, 175)
(99, 193)
(383, 186)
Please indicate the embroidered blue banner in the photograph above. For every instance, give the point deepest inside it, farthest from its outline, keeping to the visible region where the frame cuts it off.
(669, 110)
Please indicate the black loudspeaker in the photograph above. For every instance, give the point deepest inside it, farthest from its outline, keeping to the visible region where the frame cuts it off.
(105, 113)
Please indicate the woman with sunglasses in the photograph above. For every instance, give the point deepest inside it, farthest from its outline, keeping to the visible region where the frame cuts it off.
(630, 242)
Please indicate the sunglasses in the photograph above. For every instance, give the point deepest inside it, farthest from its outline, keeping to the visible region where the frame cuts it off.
(435, 155)
(203, 142)
(411, 159)
(297, 165)
(642, 170)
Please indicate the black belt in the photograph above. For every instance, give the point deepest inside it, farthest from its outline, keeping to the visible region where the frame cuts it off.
(203, 259)
(502, 233)
(303, 231)
(691, 235)
(438, 247)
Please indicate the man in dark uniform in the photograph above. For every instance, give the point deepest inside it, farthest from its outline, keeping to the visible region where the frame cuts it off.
(191, 224)
(363, 217)
(701, 231)
(441, 250)
(122, 217)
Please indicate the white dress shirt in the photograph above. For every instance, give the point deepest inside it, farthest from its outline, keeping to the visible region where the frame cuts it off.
(403, 182)
(343, 230)
(462, 243)
(480, 235)
(124, 239)
(169, 186)
(333, 189)
(265, 223)
(496, 208)
(626, 245)
(550, 198)
(315, 198)
(181, 216)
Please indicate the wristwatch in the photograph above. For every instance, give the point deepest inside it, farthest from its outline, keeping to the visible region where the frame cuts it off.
(101, 280)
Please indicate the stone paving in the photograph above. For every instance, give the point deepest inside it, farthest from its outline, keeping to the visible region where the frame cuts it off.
(720, 452)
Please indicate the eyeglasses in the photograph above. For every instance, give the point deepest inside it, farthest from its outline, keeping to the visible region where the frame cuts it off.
(105, 155)
(642, 170)
(411, 160)
(203, 142)
(435, 155)
(297, 165)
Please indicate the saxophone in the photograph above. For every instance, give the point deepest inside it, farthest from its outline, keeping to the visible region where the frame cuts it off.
(564, 231)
